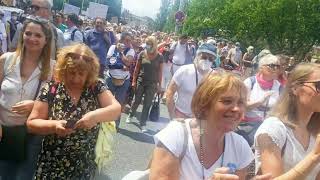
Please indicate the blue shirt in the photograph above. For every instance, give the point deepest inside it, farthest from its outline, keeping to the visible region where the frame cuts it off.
(99, 44)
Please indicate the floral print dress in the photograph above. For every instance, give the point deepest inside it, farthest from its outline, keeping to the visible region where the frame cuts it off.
(70, 157)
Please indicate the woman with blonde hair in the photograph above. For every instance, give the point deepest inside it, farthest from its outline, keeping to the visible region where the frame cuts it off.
(146, 80)
(264, 91)
(200, 147)
(21, 75)
(287, 143)
(68, 112)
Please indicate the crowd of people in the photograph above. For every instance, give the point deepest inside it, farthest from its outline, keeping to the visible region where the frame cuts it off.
(62, 78)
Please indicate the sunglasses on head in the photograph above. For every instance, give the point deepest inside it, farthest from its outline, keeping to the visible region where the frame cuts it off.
(273, 66)
(316, 85)
(76, 56)
(37, 19)
(210, 58)
(36, 8)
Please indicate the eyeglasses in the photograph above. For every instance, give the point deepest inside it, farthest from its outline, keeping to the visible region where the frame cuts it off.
(273, 66)
(76, 56)
(37, 19)
(36, 8)
(316, 85)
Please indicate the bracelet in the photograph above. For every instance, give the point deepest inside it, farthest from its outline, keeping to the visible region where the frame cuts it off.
(298, 172)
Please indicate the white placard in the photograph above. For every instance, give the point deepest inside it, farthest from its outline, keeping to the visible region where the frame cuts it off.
(97, 10)
(70, 9)
(7, 16)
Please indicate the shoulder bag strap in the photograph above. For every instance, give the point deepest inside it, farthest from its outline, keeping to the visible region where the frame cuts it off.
(195, 68)
(185, 140)
(38, 89)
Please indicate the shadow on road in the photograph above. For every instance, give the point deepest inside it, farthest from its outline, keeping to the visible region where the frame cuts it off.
(102, 177)
(146, 138)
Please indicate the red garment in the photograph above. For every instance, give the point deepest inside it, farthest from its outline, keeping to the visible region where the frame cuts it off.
(263, 83)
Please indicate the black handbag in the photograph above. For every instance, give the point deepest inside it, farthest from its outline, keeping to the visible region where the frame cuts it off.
(155, 109)
(13, 144)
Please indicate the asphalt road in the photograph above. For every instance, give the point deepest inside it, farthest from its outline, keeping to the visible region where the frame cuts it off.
(132, 148)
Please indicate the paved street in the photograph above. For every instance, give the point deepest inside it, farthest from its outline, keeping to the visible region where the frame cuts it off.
(132, 148)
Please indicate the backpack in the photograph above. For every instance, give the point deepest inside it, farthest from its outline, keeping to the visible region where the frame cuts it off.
(73, 34)
(174, 49)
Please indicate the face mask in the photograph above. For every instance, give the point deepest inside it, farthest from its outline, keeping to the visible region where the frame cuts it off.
(204, 64)
(148, 48)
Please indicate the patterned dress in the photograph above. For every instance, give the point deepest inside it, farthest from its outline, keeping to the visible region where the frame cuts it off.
(70, 157)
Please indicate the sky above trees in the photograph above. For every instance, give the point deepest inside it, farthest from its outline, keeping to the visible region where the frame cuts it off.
(142, 7)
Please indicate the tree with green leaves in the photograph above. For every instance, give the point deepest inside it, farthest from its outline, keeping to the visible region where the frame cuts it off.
(283, 26)
(162, 16)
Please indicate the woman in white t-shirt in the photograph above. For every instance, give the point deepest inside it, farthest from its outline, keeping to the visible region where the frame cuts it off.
(264, 91)
(218, 105)
(287, 144)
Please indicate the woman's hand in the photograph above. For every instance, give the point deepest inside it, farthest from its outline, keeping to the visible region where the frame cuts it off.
(266, 97)
(23, 107)
(223, 174)
(134, 85)
(87, 121)
(263, 177)
(316, 149)
(61, 130)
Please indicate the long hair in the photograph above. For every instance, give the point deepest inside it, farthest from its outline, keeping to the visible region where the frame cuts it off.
(46, 50)
(286, 109)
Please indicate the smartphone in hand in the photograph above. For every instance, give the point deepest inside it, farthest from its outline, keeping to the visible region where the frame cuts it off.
(70, 124)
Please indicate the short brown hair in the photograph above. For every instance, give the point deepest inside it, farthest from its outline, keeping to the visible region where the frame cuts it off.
(209, 90)
(64, 63)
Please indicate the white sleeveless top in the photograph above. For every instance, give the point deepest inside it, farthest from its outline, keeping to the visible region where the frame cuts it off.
(293, 151)
(13, 90)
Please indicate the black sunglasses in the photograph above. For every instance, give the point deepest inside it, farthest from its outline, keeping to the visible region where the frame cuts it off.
(273, 66)
(316, 85)
(36, 8)
(76, 56)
